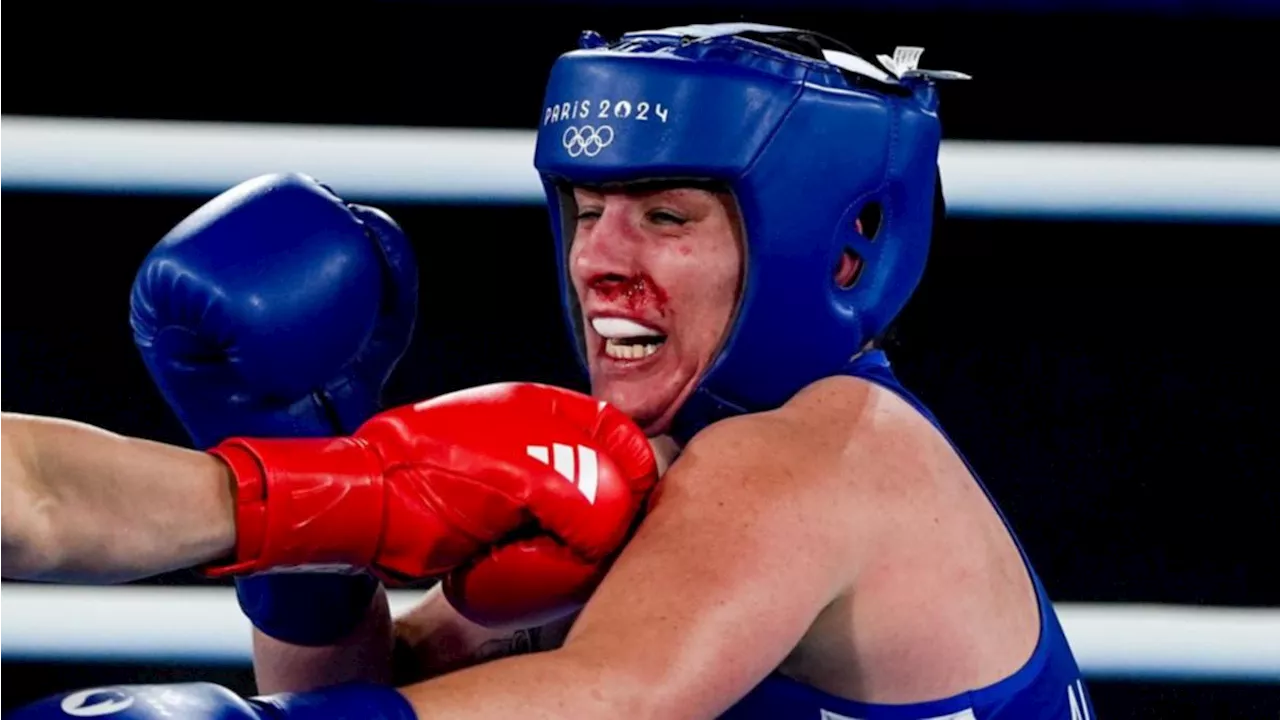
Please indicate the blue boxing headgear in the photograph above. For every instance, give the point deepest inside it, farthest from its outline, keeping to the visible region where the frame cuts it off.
(805, 138)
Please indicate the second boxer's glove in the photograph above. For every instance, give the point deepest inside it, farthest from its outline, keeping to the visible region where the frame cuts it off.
(523, 492)
(276, 309)
(206, 701)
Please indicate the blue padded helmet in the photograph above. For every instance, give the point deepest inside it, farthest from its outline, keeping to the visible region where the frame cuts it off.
(807, 137)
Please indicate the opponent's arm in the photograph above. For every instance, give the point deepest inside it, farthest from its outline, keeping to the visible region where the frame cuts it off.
(434, 639)
(753, 535)
(81, 504)
(429, 640)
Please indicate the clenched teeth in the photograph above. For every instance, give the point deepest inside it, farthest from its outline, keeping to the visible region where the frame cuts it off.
(621, 350)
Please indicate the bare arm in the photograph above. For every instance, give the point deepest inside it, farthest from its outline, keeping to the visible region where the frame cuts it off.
(430, 640)
(84, 505)
(750, 539)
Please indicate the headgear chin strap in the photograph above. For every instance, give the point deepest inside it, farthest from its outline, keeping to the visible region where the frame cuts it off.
(806, 138)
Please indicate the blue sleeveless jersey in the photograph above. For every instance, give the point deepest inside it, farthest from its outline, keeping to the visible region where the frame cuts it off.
(1047, 686)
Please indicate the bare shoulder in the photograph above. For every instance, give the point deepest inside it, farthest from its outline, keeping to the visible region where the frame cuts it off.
(883, 441)
(818, 422)
(845, 451)
(835, 471)
(823, 452)
(841, 431)
(856, 411)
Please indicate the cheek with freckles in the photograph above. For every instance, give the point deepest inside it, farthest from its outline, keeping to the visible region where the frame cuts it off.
(708, 297)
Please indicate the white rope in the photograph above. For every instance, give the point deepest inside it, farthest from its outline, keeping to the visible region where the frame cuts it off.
(1071, 180)
(1164, 641)
(204, 625)
(361, 163)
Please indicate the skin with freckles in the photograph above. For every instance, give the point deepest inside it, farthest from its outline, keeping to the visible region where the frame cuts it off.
(667, 258)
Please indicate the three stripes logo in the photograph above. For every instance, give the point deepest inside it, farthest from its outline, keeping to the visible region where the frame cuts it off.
(580, 465)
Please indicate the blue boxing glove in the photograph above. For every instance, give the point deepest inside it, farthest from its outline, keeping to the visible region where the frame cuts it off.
(278, 310)
(206, 701)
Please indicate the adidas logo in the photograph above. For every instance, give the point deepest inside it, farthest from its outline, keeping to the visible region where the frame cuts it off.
(579, 466)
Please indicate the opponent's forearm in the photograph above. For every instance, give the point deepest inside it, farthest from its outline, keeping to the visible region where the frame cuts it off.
(363, 655)
(85, 505)
(430, 640)
(438, 640)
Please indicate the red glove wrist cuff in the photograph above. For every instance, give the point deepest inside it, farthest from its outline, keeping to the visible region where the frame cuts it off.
(305, 502)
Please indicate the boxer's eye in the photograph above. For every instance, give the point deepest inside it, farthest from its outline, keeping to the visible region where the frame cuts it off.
(665, 217)
(584, 215)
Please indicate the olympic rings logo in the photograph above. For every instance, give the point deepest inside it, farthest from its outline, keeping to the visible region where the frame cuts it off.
(586, 140)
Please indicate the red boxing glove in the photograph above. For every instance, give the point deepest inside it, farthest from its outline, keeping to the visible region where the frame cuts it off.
(528, 482)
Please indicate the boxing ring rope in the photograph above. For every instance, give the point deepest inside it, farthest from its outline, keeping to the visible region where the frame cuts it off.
(983, 179)
(386, 164)
(204, 625)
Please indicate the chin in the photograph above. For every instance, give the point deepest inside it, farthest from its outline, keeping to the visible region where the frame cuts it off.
(647, 412)
(652, 408)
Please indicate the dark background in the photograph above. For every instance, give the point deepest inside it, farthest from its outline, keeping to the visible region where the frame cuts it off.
(1111, 381)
